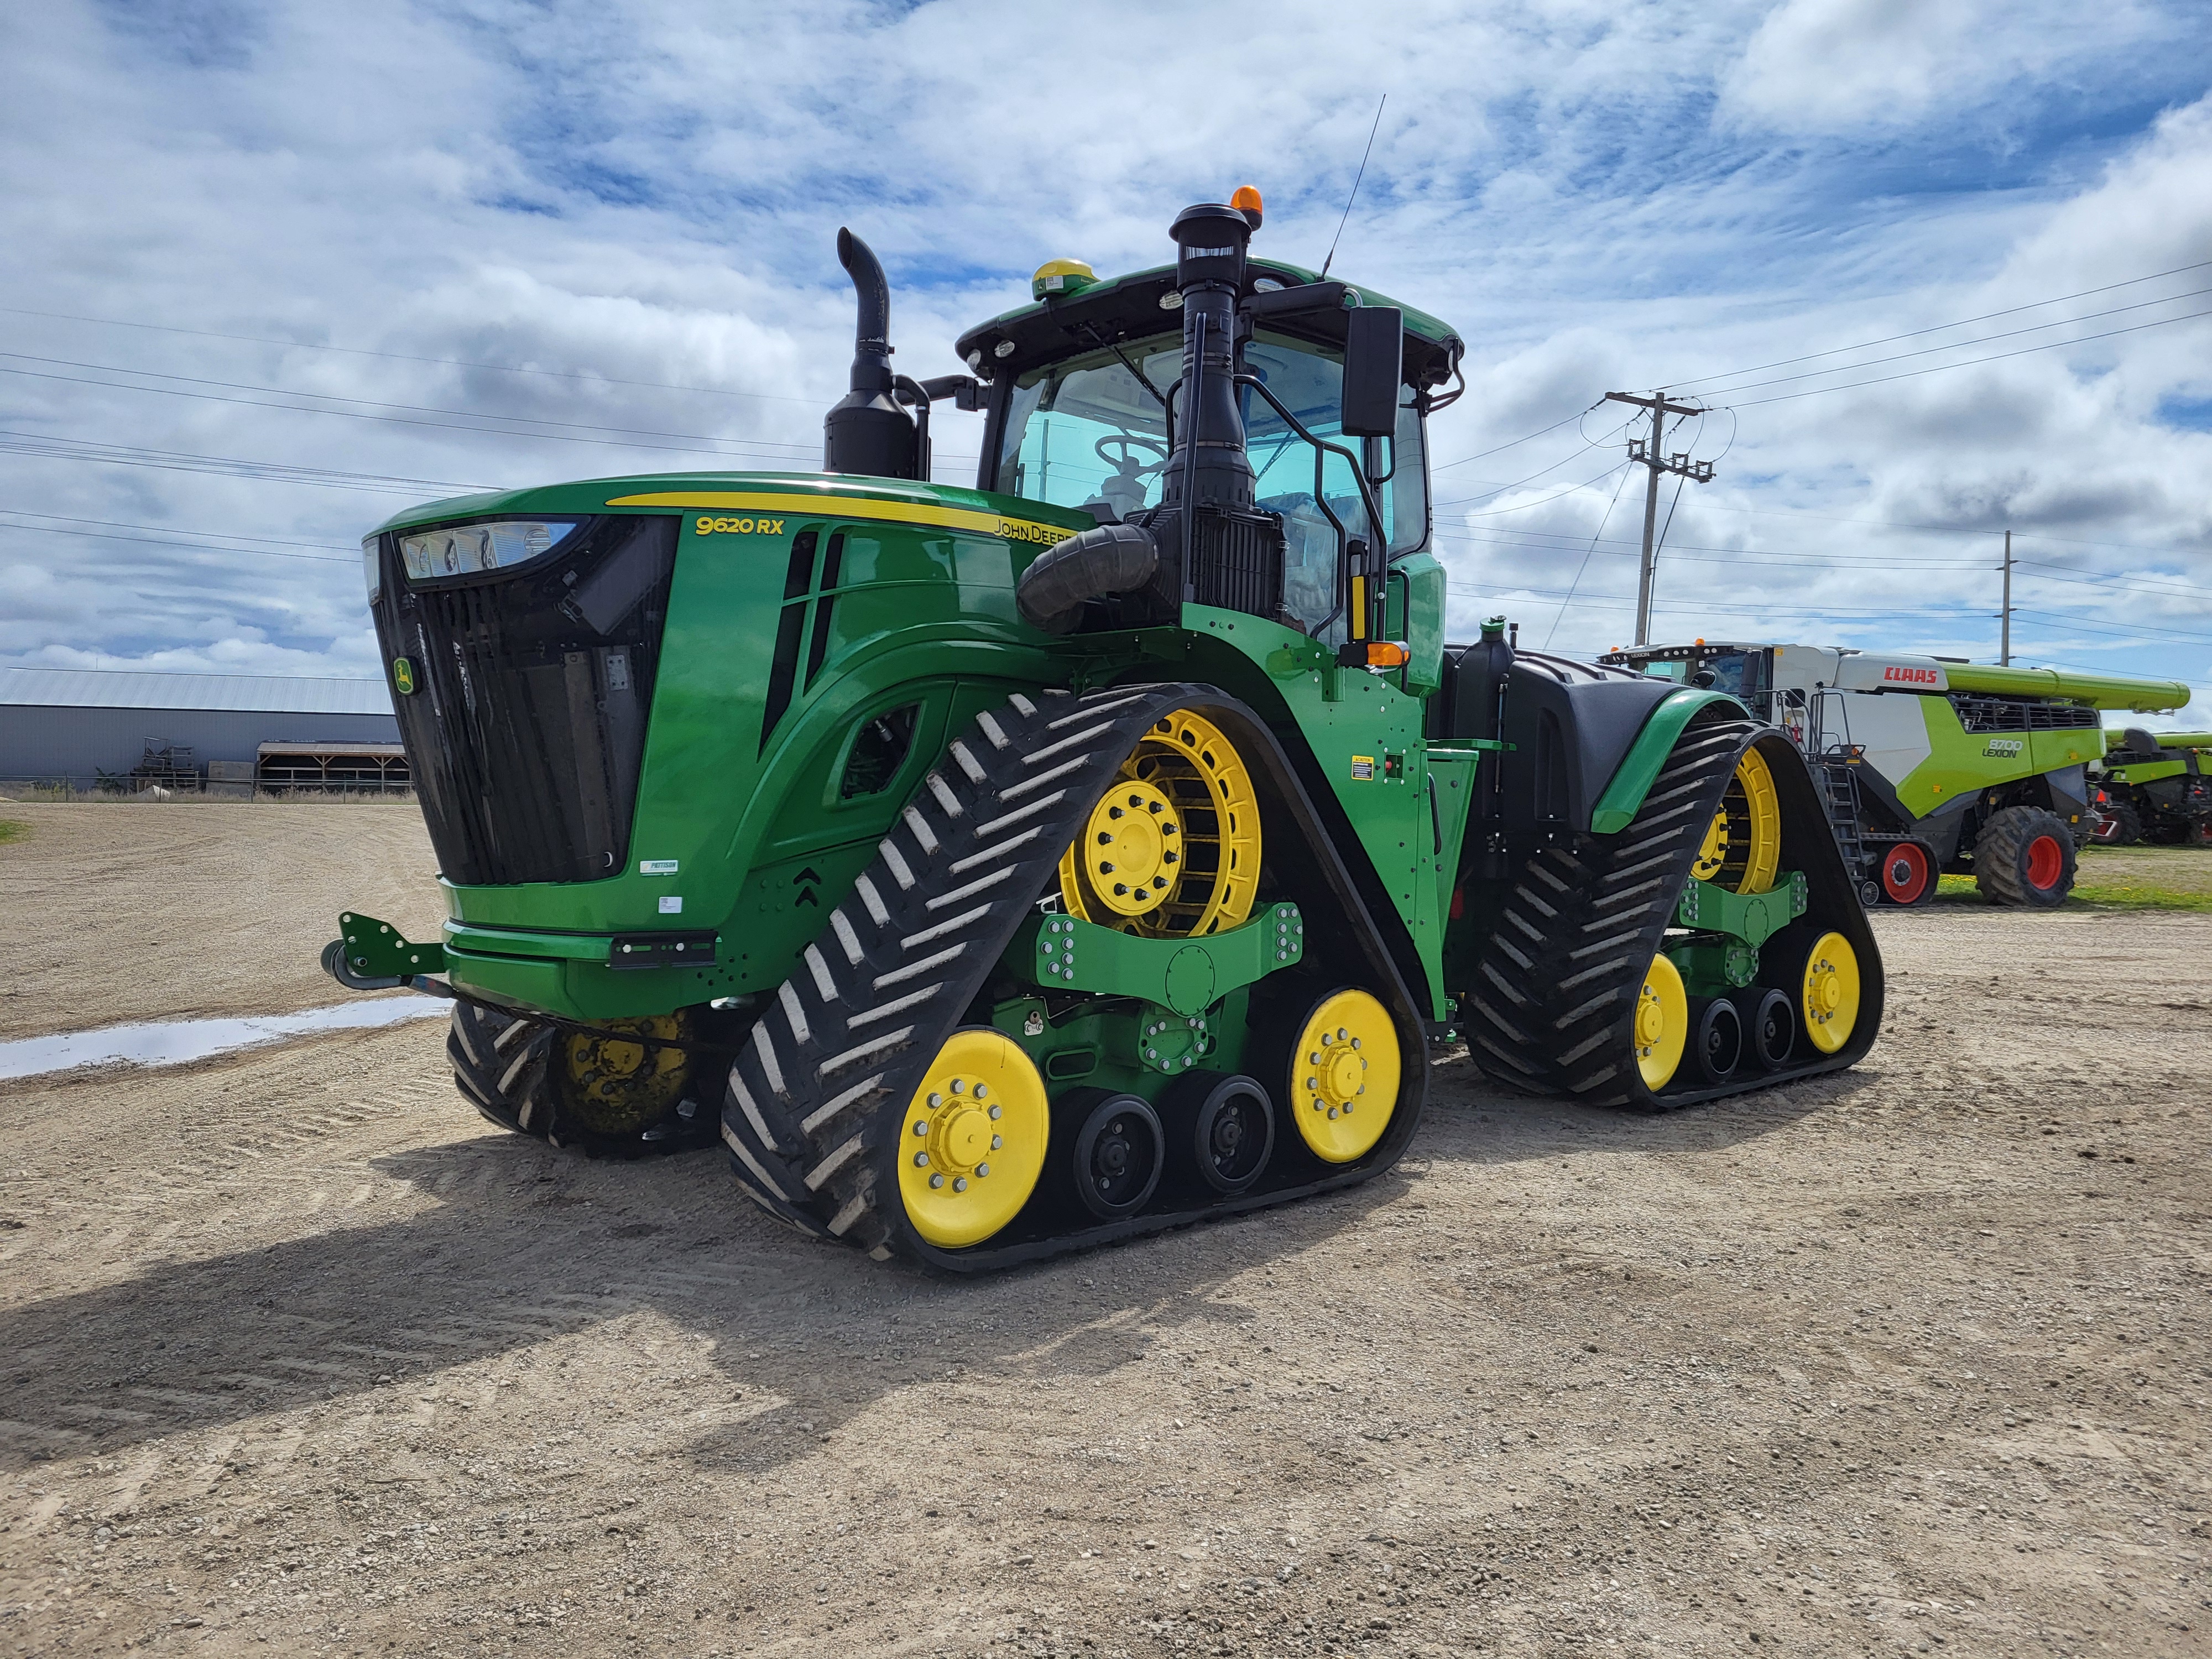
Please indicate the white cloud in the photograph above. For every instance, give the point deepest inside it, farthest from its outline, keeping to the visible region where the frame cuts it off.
(647, 192)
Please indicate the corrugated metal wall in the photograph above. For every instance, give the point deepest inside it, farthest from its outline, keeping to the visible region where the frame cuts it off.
(40, 744)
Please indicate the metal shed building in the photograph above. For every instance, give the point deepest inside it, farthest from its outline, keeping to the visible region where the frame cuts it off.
(77, 723)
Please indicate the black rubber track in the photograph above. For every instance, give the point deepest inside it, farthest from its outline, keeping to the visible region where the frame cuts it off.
(1556, 984)
(503, 1063)
(817, 1096)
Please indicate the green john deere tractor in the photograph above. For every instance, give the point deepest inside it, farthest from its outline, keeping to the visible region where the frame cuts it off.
(1008, 870)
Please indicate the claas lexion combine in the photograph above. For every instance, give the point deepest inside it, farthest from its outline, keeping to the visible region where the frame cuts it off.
(1002, 870)
(1935, 765)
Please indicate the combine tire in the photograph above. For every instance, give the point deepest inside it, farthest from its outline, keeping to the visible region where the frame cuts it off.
(2025, 856)
(875, 1102)
(1571, 993)
(1908, 873)
(599, 1097)
(2117, 825)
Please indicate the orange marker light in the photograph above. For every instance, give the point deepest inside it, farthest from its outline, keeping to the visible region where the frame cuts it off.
(1246, 201)
(1387, 654)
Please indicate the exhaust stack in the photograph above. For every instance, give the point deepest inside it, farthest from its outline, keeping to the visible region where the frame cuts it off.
(867, 432)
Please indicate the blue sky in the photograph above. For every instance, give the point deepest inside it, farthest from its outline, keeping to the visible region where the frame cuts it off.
(637, 202)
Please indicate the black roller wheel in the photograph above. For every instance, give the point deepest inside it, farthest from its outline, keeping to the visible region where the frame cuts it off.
(1716, 1037)
(2024, 855)
(1770, 1025)
(2118, 824)
(1232, 1133)
(1118, 1154)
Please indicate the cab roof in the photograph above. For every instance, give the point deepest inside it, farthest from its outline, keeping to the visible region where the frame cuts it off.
(1124, 308)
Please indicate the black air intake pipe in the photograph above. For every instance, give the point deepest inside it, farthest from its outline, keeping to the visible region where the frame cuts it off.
(867, 432)
(1094, 564)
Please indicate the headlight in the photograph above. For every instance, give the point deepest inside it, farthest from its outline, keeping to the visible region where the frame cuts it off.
(370, 571)
(472, 548)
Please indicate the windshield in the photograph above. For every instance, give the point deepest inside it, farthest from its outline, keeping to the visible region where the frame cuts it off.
(1093, 429)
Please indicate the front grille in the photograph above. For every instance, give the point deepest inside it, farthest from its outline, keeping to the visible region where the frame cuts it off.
(1237, 560)
(2004, 714)
(527, 727)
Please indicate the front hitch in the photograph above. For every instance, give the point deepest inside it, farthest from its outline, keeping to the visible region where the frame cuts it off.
(374, 956)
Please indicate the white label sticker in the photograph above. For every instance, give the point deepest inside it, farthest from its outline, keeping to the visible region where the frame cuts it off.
(656, 866)
(671, 907)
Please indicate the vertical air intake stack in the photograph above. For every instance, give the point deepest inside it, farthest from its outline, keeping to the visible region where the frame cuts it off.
(867, 432)
(1207, 543)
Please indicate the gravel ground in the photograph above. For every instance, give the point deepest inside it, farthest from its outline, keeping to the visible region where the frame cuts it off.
(295, 1356)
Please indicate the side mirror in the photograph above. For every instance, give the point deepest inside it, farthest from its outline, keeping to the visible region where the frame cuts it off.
(1374, 360)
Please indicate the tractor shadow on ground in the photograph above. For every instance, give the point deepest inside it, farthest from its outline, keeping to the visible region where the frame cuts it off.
(523, 1246)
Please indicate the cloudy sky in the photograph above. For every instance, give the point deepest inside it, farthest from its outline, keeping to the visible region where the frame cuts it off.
(272, 270)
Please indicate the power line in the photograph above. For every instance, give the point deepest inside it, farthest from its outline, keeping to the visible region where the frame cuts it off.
(1522, 507)
(1959, 345)
(71, 449)
(366, 403)
(1937, 328)
(1937, 368)
(172, 529)
(1484, 494)
(196, 547)
(405, 357)
(1515, 444)
(737, 449)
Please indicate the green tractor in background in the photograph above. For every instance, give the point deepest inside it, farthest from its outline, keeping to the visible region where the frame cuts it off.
(2152, 786)
(1002, 870)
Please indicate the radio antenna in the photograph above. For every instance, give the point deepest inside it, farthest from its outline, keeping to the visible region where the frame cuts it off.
(1356, 178)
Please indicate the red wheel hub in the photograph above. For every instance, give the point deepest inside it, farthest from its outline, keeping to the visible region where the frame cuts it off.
(2046, 862)
(1904, 874)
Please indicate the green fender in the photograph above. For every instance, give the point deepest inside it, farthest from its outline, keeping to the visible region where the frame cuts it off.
(1640, 768)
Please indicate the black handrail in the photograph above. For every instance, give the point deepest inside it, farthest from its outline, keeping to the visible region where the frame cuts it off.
(1322, 447)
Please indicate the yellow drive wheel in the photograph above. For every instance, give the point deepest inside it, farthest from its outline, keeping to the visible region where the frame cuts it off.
(1172, 849)
(1344, 1075)
(613, 1086)
(1742, 848)
(1830, 997)
(1661, 1024)
(972, 1143)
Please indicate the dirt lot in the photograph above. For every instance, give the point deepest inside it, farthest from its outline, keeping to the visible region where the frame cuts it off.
(117, 911)
(296, 1357)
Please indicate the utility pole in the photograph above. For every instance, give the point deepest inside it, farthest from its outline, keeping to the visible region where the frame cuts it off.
(2004, 636)
(1646, 450)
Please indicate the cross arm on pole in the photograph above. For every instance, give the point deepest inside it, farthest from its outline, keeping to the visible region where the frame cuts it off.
(1658, 398)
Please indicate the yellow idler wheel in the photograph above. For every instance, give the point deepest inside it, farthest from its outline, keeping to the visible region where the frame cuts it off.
(1742, 848)
(1662, 1024)
(973, 1142)
(613, 1086)
(1344, 1075)
(1830, 997)
(1172, 849)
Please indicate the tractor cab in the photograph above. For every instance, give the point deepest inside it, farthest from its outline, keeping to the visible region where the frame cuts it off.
(1085, 388)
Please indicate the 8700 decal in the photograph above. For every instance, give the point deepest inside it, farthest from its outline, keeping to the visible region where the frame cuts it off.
(2004, 748)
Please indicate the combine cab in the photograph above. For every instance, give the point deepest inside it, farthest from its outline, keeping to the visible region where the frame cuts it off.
(1000, 870)
(1932, 764)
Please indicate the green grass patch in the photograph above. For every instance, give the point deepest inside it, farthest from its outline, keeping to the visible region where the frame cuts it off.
(2112, 895)
(14, 830)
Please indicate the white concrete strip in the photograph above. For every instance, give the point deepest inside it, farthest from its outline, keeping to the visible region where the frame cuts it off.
(174, 1041)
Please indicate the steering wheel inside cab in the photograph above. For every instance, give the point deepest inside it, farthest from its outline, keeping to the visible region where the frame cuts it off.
(1124, 489)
